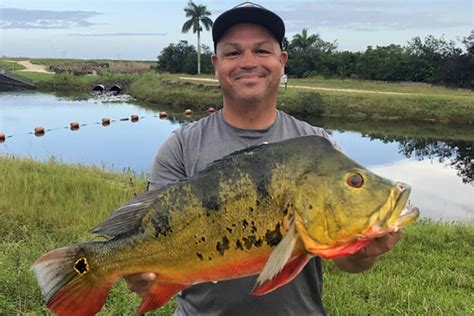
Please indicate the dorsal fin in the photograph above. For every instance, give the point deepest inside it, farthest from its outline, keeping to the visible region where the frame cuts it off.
(128, 216)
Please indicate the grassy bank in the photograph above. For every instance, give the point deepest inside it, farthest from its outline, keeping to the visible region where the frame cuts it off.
(330, 98)
(49, 205)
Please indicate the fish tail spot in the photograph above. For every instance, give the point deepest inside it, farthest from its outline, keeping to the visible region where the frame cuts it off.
(81, 266)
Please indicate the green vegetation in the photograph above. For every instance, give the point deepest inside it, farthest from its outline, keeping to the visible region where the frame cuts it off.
(371, 101)
(10, 65)
(49, 205)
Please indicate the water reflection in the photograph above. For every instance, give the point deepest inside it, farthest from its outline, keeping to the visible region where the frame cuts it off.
(458, 154)
(451, 144)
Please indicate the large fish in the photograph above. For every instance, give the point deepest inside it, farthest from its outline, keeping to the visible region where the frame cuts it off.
(265, 210)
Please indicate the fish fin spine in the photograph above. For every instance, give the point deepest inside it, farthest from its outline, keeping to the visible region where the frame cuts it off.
(279, 256)
(69, 283)
(286, 275)
(158, 295)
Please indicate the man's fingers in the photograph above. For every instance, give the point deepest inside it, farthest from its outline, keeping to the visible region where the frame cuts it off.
(139, 282)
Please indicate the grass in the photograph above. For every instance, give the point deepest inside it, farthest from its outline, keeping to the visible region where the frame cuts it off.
(362, 100)
(49, 205)
(10, 65)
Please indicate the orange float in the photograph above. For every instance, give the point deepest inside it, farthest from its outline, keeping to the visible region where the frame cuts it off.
(2, 137)
(163, 115)
(74, 125)
(105, 121)
(39, 131)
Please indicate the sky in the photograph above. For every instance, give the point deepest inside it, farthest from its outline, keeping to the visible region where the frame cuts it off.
(139, 30)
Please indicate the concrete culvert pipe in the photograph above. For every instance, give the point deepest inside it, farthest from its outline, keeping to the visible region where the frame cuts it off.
(98, 88)
(116, 89)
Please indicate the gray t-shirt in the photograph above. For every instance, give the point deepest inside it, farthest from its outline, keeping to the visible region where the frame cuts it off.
(189, 150)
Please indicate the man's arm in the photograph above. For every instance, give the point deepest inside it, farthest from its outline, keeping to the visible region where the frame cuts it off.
(366, 258)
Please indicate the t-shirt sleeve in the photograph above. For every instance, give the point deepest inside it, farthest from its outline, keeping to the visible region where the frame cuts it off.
(168, 165)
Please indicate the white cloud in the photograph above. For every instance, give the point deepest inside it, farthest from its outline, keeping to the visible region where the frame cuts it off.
(15, 18)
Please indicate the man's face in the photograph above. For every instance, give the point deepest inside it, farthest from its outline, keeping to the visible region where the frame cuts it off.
(249, 63)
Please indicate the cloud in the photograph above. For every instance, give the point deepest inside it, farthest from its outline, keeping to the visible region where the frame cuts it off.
(377, 15)
(15, 18)
(117, 34)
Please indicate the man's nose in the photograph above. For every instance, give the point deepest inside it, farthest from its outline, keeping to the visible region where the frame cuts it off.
(248, 59)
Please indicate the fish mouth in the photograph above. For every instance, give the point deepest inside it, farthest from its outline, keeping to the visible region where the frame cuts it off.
(403, 212)
(395, 214)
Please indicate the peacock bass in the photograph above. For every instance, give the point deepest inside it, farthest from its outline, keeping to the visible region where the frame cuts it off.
(265, 210)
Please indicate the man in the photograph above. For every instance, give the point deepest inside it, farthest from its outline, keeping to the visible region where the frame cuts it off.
(248, 63)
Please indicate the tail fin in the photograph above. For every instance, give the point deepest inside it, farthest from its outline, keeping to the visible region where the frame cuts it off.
(69, 283)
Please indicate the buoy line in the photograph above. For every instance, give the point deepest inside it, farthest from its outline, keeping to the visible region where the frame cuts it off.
(105, 121)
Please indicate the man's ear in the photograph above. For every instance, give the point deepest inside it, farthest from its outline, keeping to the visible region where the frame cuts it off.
(214, 62)
(283, 59)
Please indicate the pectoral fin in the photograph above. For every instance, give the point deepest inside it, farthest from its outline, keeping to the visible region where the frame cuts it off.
(280, 269)
(289, 272)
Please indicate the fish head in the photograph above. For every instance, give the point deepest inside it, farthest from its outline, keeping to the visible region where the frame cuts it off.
(341, 206)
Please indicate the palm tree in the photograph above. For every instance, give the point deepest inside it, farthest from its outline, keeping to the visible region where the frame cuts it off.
(198, 15)
(303, 41)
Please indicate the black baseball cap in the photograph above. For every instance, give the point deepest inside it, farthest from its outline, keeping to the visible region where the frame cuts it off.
(248, 12)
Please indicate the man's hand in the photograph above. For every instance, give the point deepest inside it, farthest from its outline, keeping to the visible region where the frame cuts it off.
(139, 282)
(366, 258)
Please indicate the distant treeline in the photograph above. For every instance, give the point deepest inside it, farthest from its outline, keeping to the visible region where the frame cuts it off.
(429, 60)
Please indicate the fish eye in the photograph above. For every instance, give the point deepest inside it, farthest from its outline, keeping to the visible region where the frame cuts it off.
(355, 180)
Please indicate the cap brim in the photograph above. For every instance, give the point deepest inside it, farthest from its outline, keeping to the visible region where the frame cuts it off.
(255, 15)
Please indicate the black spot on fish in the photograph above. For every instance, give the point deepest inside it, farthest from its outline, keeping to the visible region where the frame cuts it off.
(250, 209)
(222, 247)
(257, 202)
(229, 230)
(273, 237)
(245, 224)
(161, 223)
(199, 256)
(253, 228)
(260, 173)
(250, 241)
(206, 189)
(81, 266)
(210, 203)
(310, 207)
(203, 239)
(210, 258)
(238, 245)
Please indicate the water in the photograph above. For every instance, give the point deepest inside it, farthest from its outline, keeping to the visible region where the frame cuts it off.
(439, 171)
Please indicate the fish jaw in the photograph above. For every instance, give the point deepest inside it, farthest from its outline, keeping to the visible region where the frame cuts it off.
(394, 215)
(333, 250)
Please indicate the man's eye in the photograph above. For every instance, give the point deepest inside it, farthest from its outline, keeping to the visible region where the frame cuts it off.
(231, 54)
(263, 52)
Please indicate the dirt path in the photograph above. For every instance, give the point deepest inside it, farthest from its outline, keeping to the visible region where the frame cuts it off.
(33, 67)
(316, 88)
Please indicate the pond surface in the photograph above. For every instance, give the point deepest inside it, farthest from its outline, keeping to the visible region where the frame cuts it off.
(439, 170)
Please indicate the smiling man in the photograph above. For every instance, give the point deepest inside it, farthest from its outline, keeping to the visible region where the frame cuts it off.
(248, 62)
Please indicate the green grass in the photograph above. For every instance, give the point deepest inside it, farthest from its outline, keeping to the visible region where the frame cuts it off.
(10, 65)
(49, 205)
(404, 102)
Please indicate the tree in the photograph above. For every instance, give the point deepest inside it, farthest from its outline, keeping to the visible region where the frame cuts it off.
(198, 15)
(181, 58)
